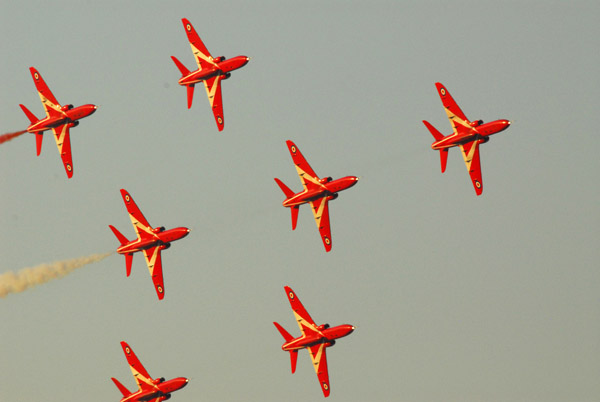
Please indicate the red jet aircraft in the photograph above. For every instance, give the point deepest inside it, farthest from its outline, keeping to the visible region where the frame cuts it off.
(317, 192)
(210, 71)
(314, 338)
(58, 118)
(467, 135)
(151, 241)
(150, 390)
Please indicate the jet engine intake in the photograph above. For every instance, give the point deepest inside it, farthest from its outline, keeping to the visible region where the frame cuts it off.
(165, 246)
(476, 123)
(74, 124)
(66, 107)
(333, 196)
(227, 75)
(325, 180)
(322, 327)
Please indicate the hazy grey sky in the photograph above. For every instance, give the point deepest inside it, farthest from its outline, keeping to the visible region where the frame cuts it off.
(455, 297)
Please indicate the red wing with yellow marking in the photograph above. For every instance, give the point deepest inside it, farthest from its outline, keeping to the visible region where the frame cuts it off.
(320, 209)
(457, 118)
(213, 91)
(143, 379)
(63, 142)
(318, 355)
(154, 262)
(470, 153)
(50, 103)
(308, 177)
(140, 224)
(305, 322)
(201, 53)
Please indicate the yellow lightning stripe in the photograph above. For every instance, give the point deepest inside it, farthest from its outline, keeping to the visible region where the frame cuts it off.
(200, 55)
(60, 137)
(48, 105)
(316, 359)
(469, 158)
(151, 260)
(318, 214)
(140, 228)
(454, 120)
(139, 378)
(305, 323)
(306, 177)
(212, 91)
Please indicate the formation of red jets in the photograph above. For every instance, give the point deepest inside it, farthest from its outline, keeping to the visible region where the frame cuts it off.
(317, 192)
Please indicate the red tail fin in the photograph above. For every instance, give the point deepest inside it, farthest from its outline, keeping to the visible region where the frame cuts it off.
(288, 337)
(443, 158)
(283, 332)
(123, 240)
(121, 387)
(288, 193)
(436, 134)
(184, 71)
(39, 137)
(29, 115)
(190, 95)
(294, 216)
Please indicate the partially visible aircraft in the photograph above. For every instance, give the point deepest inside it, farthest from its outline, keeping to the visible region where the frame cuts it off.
(151, 241)
(210, 70)
(58, 118)
(314, 338)
(467, 135)
(316, 191)
(150, 390)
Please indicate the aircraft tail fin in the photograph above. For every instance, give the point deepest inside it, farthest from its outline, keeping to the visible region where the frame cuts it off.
(288, 337)
(29, 115)
(121, 387)
(288, 193)
(283, 332)
(436, 134)
(190, 95)
(39, 137)
(183, 69)
(443, 158)
(123, 240)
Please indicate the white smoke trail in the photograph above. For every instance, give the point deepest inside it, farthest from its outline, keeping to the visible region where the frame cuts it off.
(16, 282)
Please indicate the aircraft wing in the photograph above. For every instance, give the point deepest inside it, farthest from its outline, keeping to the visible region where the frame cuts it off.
(140, 224)
(470, 152)
(308, 177)
(50, 103)
(201, 53)
(320, 209)
(318, 356)
(213, 90)
(63, 142)
(457, 118)
(143, 379)
(154, 261)
(305, 322)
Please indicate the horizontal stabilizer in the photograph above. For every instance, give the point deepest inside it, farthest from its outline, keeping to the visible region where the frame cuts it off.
(39, 137)
(29, 115)
(295, 211)
(283, 332)
(288, 193)
(122, 239)
(436, 134)
(294, 359)
(443, 158)
(183, 69)
(121, 387)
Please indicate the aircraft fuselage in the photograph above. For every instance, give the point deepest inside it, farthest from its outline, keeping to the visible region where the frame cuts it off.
(222, 68)
(161, 238)
(326, 189)
(161, 389)
(476, 132)
(68, 116)
(325, 336)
